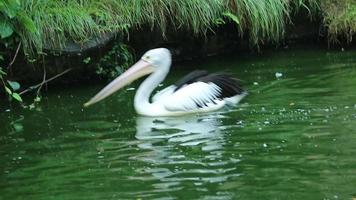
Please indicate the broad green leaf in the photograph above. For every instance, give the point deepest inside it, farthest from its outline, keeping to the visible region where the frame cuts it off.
(14, 85)
(232, 17)
(1, 57)
(5, 29)
(11, 8)
(8, 90)
(17, 97)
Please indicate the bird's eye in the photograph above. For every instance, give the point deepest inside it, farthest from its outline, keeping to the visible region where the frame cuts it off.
(147, 57)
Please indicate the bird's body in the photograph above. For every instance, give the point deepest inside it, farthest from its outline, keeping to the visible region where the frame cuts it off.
(194, 93)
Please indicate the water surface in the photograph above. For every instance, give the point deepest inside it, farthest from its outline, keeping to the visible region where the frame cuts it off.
(292, 137)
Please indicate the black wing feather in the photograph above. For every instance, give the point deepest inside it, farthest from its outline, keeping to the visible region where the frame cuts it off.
(229, 86)
(190, 78)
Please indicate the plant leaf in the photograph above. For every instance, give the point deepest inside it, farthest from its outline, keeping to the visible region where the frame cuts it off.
(86, 60)
(5, 29)
(37, 99)
(2, 72)
(32, 106)
(17, 97)
(232, 17)
(18, 127)
(11, 8)
(8, 90)
(14, 85)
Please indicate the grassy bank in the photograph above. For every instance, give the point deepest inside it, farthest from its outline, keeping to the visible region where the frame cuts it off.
(52, 23)
(60, 21)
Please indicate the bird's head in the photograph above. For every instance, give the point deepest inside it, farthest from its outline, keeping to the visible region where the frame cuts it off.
(158, 58)
(154, 60)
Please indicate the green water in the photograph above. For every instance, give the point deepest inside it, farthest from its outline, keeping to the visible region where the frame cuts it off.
(293, 137)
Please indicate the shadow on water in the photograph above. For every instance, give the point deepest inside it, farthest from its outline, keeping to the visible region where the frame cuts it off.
(291, 138)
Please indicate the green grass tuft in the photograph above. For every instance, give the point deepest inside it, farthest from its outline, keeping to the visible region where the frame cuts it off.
(264, 20)
(60, 21)
(340, 19)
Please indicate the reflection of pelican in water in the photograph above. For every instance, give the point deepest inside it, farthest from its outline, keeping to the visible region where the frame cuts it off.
(183, 149)
(186, 131)
(165, 135)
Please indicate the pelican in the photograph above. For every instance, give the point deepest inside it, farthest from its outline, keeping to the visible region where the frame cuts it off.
(195, 93)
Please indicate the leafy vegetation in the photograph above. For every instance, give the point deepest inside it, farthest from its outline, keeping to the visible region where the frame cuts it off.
(10, 87)
(13, 21)
(13, 18)
(340, 18)
(114, 62)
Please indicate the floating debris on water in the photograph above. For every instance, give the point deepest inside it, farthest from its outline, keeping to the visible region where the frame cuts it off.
(130, 89)
(278, 74)
(239, 122)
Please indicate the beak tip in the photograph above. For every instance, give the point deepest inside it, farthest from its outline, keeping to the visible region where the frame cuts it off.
(87, 104)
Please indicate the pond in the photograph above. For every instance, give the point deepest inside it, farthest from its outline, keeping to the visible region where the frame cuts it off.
(292, 137)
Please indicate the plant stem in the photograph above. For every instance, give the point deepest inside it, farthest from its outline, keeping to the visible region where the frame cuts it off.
(45, 81)
(14, 58)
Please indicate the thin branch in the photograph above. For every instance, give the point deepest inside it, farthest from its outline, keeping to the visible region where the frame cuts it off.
(14, 58)
(44, 77)
(46, 81)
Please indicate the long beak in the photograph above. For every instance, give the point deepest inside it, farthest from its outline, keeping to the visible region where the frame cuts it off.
(138, 70)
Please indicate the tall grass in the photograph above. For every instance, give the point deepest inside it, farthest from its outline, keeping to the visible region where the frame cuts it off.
(312, 6)
(58, 22)
(264, 20)
(195, 15)
(61, 21)
(340, 19)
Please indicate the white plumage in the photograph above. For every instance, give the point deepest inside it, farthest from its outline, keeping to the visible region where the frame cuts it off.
(197, 92)
(192, 97)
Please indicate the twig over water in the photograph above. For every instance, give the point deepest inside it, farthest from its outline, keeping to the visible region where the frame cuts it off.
(45, 81)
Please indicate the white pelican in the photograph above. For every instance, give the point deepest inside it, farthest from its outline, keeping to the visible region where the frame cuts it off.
(196, 92)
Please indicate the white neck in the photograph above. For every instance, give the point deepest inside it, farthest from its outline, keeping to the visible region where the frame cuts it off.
(142, 102)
